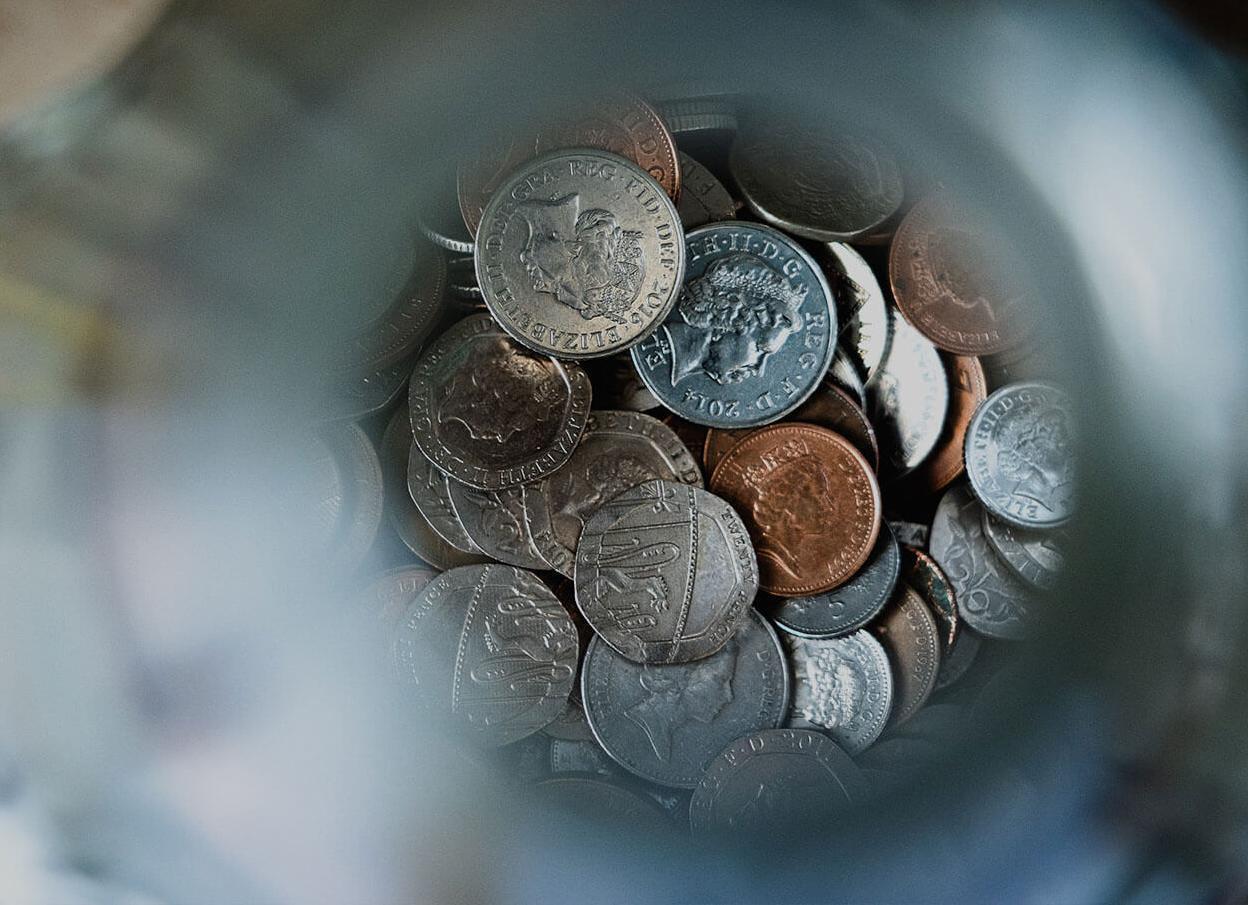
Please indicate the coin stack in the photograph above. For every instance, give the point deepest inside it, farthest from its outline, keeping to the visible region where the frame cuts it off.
(708, 489)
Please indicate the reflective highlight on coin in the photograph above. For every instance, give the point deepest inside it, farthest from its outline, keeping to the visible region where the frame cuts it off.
(907, 399)
(841, 686)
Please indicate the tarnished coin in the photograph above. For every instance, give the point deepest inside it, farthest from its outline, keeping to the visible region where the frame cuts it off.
(491, 414)
(924, 574)
(841, 686)
(776, 781)
(1020, 455)
(1034, 556)
(495, 521)
(752, 335)
(580, 757)
(600, 801)
(627, 127)
(349, 397)
(388, 595)
(430, 490)
(618, 450)
(907, 400)
(968, 387)
(831, 407)
(911, 533)
(718, 441)
(853, 604)
(990, 599)
(579, 254)
(823, 184)
(952, 281)
(703, 198)
(666, 722)
(665, 572)
(860, 304)
(810, 501)
(343, 484)
(491, 648)
(909, 633)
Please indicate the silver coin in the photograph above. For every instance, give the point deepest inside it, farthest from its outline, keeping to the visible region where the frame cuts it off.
(617, 386)
(908, 399)
(599, 801)
(580, 757)
(752, 335)
(389, 594)
(571, 725)
(345, 493)
(1020, 455)
(703, 198)
(491, 648)
(698, 114)
(491, 414)
(911, 636)
(990, 599)
(458, 246)
(850, 606)
(579, 254)
(355, 396)
(861, 307)
(776, 781)
(1034, 556)
(911, 533)
(844, 373)
(618, 450)
(430, 490)
(841, 686)
(666, 722)
(665, 573)
(495, 521)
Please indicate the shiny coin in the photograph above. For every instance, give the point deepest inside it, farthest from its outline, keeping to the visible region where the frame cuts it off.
(665, 573)
(853, 604)
(598, 800)
(495, 521)
(430, 490)
(990, 599)
(618, 450)
(844, 374)
(923, 574)
(909, 633)
(579, 254)
(841, 686)
(1034, 556)
(968, 387)
(344, 489)
(490, 414)
(686, 115)
(810, 501)
(445, 242)
(490, 647)
(861, 308)
(775, 781)
(666, 722)
(753, 332)
(1020, 455)
(703, 198)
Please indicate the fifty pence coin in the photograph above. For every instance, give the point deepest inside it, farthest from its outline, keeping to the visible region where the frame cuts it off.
(495, 521)
(909, 633)
(1020, 455)
(666, 722)
(860, 304)
(430, 490)
(752, 334)
(491, 414)
(703, 198)
(1034, 556)
(968, 387)
(841, 686)
(665, 572)
(579, 254)
(492, 648)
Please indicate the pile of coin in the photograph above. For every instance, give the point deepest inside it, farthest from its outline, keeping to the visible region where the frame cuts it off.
(711, 501)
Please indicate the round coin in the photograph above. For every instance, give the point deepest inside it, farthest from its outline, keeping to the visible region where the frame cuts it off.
(958, 659)
(349, 397)
(390, 594)
(665, 573)
(923, 574)
(860, 304)
(909, 633)
(1034, 556)
(579, 254)
(430, 490)
(968, 387)
(495, 521)
(1020, 455)
(348, 491)
(841, 686)
(908, 398)
(666, 722)
(844, 374)
(831, 407)
(703, 198)
(752, 334)
(491, 414)
(618, 450)
(490, 647)
(811, 503)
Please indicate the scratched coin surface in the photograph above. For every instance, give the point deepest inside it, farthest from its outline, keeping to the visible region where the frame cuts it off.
(841, 686)
(703, 198)
(429, 488)
(776, 781)
(491, 414)
(860, 304)
(1020, 455)
(665, 722)
(495, 521)
(752, 334)
(580, 254)
(665, 572)
(810, 501)
(618, 450)
(968, 387)
(853, 604)
(990, 599)
(909, 633)
(1034, 556)
(490, 648)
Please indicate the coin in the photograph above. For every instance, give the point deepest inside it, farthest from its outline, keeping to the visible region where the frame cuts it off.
(495, 521)
(491, 414)
(949, 280)
(853, 604)
(579, 254)
(923, 574)
(776, 780)
(349, 397)
(1020, 455)
(841, 686)
(665, 572)
(810, 501)
(345, 482)
(844, 374)
(703, 198)
(753, 332)
(698, 114)
(860, 304)
(910, 533)
(598, 800)
(909, 633)
(692, 435)
(990, 599)
(627, 127)
(717, 443)
(445, 242)
(617, 386)
(907, 399)
(490, 647)
(580, 757)
(389, 594)
(1034, 556)
(618, 450)
(429, 489)
(968, 387)
(571, 725)
(666, 722)
(958, 659)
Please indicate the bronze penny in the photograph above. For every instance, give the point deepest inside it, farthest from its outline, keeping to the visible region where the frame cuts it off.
(626, 126)
(718, 441)
(810, 502)
(968, 387)
(909, 633)
(943, 285)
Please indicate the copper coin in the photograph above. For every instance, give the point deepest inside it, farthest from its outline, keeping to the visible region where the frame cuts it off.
(909, 633)
(925, 575)
(810, 502)
(948, 280)
(718, 441)
(626, 126)
(968, 387)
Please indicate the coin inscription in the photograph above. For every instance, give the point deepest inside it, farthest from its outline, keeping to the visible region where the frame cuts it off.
(841, 686)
